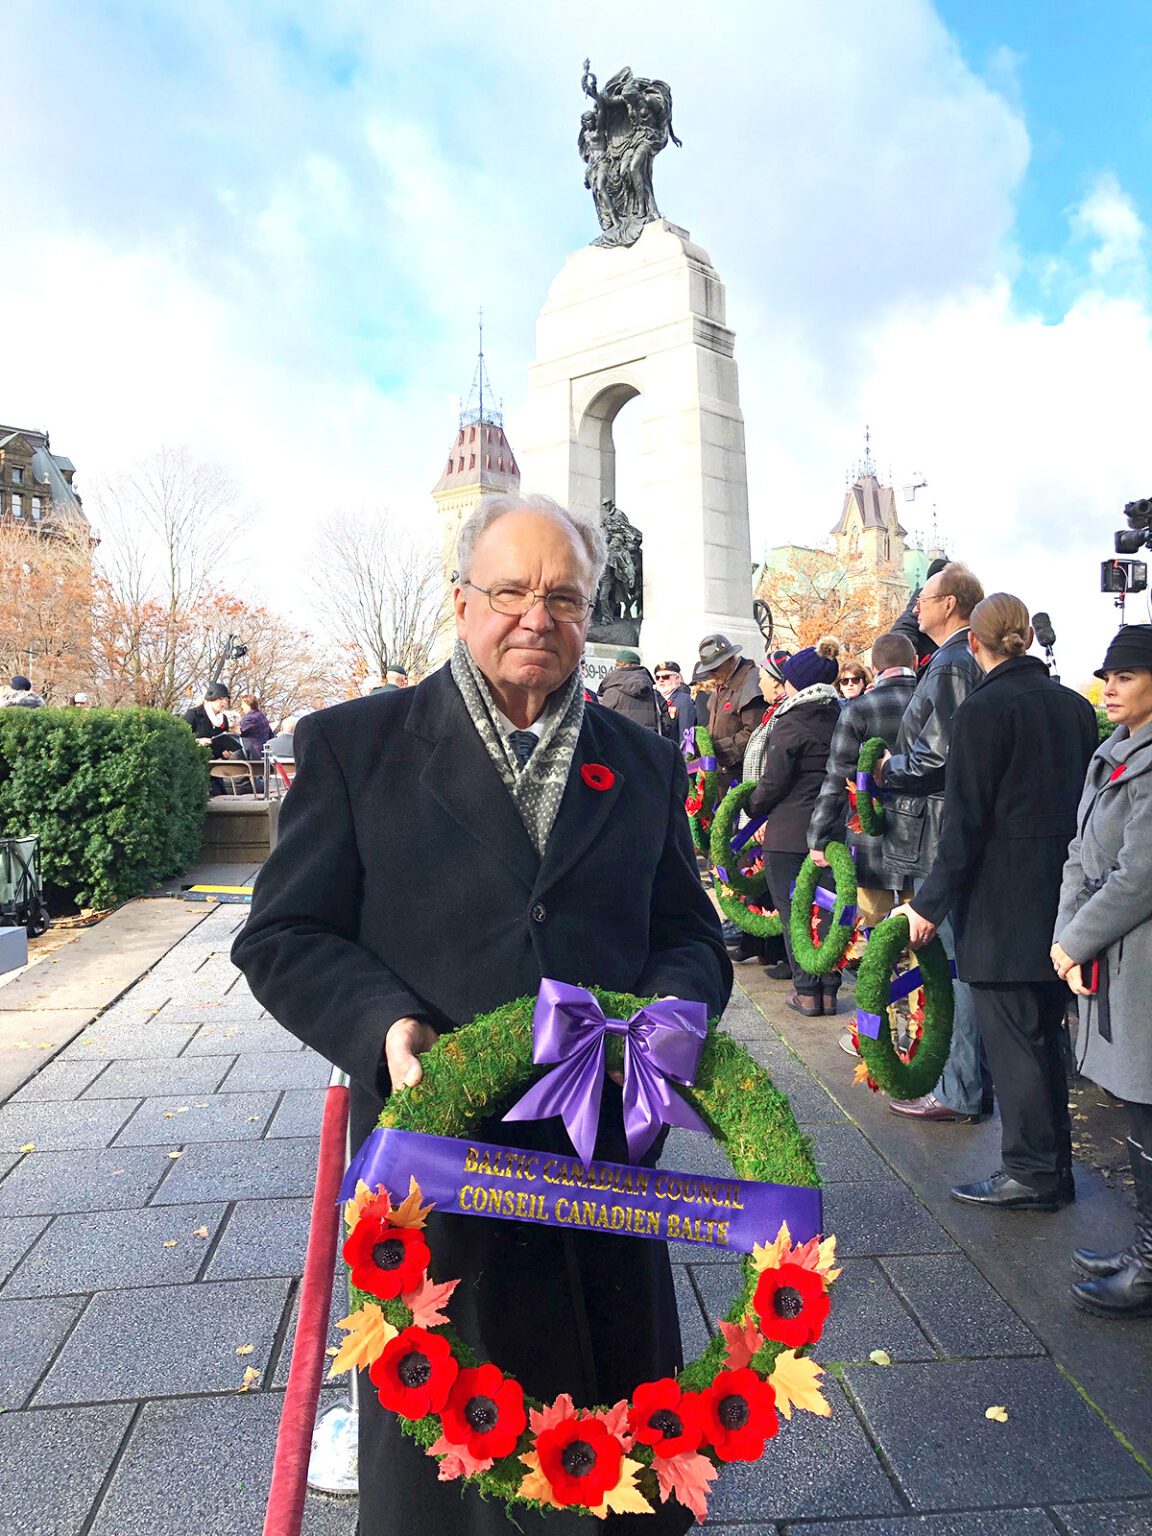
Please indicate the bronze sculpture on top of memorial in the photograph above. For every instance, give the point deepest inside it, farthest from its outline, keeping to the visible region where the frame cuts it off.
(620, 136)
(620, 600)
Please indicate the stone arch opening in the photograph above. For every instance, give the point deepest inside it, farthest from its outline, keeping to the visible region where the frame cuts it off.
(596, 445)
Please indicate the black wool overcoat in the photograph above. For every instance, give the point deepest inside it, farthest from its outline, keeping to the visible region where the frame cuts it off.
(403, 882)
(1020, 747)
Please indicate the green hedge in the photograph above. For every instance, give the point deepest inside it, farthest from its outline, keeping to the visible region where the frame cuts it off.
(116, 796)
(1104, 725)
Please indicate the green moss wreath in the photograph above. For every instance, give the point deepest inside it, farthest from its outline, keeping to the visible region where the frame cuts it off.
(720, 844)
(826, 956)
(888, 1070)
(760, 924)
(870, 808)
(701, 801)
(471, 1074)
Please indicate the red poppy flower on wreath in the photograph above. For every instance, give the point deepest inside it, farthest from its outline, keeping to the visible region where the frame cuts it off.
(581, 1459)
(485, 1412)
(792, 1305)
(738, 1413)
(415, 1373)
(695, 802)
(596, 776)
(385, 1260)
(664, 1417)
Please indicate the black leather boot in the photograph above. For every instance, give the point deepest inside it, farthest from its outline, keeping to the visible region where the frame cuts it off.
(1127, 1293)
(1099, 1265)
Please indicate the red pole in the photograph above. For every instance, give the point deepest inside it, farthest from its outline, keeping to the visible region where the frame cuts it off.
(285, 1510)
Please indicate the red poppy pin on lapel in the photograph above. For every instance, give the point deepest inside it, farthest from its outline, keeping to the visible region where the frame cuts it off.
(596, 776)
(1117, 773)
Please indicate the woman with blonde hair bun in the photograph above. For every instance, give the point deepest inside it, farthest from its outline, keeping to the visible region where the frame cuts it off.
(1020, 747)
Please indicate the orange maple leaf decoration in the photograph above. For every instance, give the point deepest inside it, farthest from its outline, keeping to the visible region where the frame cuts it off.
(863, 1075)
(817, 1254)
(410, 1213)
(458, 1461)
(795, 1380)
(743, 1341)
(426, 1300)
(368, 1332)
(362, 1199)
(689, 1476)
(540, 1419)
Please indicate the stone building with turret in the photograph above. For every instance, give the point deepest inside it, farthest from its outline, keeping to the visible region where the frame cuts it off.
(36, 489)
(870, 553)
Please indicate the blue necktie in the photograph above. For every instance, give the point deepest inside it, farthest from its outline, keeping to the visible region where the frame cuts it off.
(523, 744)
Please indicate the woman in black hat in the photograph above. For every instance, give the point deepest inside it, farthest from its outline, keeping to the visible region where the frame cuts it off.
(1103, 949)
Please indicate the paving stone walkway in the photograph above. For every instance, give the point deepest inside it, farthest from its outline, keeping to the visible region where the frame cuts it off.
(155, 1183)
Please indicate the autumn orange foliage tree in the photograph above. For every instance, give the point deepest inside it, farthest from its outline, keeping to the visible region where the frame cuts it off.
(45, 598)
(812, 594)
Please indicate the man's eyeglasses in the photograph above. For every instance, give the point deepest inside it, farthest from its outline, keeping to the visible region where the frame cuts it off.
(563, 607)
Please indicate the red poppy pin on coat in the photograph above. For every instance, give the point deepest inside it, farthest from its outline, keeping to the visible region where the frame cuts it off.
(596, 776)
(1117, 773)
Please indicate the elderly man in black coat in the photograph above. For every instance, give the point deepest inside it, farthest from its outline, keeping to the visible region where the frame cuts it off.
(440, 852)
(1021, 745)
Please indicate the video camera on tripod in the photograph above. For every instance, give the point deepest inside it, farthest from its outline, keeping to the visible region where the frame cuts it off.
(1122, 577)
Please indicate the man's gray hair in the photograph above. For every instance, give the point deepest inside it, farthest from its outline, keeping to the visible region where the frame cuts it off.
(588, 533)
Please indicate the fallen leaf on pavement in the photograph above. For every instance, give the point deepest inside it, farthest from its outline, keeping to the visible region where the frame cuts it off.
(999, 1414)
(169, 1115)
(29, 1146)
(175, 1154)
(200, 1232)
(880, 1357)
(251, 1377)
(245, 1349)
(333, 1349)
(171, 1243)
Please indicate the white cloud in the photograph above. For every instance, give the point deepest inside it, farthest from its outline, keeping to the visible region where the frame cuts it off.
(266, 231)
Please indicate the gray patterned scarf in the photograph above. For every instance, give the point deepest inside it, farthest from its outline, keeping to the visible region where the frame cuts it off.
(537, 787)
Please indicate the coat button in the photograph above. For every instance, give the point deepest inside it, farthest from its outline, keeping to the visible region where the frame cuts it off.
(539, 912)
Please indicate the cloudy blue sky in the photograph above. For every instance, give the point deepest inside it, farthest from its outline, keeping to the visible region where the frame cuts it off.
(264, 228)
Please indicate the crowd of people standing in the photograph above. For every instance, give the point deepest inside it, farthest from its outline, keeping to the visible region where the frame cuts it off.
(1010, 831)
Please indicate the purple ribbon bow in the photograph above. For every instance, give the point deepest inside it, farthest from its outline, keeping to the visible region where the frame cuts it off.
(662, 1040)
(826, 901)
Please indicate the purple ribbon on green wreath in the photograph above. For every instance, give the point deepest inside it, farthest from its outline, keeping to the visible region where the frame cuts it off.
(662, 1044)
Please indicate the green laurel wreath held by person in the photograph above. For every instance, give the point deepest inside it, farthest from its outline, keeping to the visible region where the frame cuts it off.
(472, 1074)
(869, 806)
(817, 959)
(720, 845)
(760, 924)
(892, 1074)
(701, 801)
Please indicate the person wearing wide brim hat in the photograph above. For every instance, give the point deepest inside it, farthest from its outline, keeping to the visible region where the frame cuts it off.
(1104, 927)
(735, 705)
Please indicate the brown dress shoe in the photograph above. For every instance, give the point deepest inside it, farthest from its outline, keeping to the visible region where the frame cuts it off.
(812, 1007)
(929, 1108)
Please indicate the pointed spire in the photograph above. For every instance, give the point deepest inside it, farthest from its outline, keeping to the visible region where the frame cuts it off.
(868, 468)
(473, 415)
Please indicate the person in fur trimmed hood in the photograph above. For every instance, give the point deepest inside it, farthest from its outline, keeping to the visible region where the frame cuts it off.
(791, 773)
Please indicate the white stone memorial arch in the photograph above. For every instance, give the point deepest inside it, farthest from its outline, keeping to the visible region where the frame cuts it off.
(647, 323)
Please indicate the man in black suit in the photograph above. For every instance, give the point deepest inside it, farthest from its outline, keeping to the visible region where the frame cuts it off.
(439, 853)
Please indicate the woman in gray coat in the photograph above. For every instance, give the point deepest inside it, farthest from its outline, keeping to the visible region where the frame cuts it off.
(1103, 949)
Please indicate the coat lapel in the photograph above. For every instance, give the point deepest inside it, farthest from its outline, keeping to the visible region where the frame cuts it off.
(462, 779)
(584, 811)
